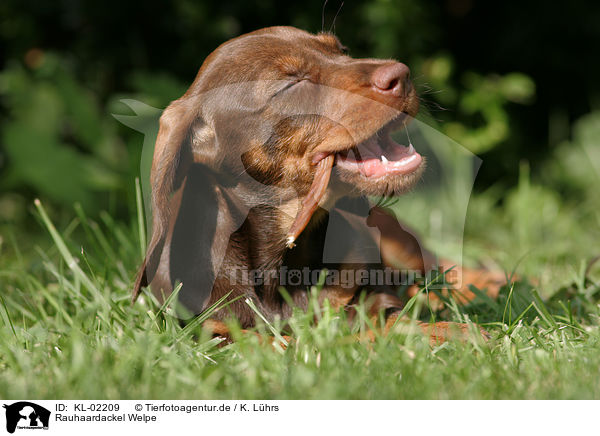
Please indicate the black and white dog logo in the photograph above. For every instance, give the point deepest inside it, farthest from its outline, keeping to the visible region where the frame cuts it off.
(26, 415)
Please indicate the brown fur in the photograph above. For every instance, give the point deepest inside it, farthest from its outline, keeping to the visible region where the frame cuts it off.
(196, 154)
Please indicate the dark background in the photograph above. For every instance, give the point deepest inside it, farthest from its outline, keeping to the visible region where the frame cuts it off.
(509, 80)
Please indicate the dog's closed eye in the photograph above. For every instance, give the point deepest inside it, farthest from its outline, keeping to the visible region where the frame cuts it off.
(290, 85)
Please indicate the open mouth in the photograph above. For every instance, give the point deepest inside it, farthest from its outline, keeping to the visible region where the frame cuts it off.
(375, 158)
(379, 155)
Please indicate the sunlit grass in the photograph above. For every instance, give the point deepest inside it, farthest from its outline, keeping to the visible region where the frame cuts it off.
(68, 330)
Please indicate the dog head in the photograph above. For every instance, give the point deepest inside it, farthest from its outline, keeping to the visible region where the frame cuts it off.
(282, 99)
(265, 108)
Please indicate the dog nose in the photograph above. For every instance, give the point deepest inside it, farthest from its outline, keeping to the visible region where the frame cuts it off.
(392, 79)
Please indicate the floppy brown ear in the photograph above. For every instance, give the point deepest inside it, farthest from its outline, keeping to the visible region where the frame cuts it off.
(190, 231)
(172, 154)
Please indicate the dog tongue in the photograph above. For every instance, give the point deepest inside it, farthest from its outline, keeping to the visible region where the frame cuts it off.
(312, 199)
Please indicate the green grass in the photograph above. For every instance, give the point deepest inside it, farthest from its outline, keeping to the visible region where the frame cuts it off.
(68, 329)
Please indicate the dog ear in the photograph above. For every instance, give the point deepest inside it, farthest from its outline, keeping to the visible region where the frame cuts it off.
(190, 230)
(172, 157)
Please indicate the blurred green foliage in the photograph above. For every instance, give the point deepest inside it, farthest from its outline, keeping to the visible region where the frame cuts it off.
(57, 140)
(482, 97)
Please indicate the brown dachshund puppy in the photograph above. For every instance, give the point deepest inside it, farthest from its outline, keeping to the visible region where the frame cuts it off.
(282, 130)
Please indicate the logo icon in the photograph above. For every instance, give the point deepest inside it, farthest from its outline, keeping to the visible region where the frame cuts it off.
(26, 415)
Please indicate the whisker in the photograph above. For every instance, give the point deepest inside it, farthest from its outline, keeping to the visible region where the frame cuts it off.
(335, 17)
(434, 106)
(323, 16)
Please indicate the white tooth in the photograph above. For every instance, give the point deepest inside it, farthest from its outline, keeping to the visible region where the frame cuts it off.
(411, 149)
(384, 159)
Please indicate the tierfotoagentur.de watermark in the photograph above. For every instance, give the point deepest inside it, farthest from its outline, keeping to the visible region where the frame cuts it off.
(435, 278)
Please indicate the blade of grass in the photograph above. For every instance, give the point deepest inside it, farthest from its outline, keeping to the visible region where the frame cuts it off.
(169, 300)
(93, 229)
(280, 338)
(6, 317)
(543, 310)
(221, 303)
(140, 217)
(65, 253)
